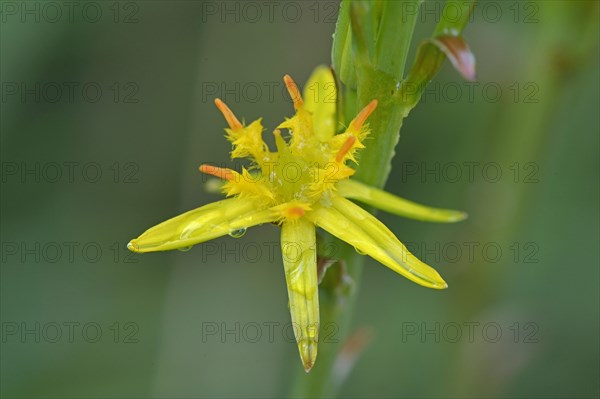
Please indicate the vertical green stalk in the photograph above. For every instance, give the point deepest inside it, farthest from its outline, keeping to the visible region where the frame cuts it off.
(370, 50)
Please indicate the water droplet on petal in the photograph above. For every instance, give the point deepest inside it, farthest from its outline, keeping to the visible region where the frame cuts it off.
(358, 251)
(133, 246)
(237, 233)
(184, 249)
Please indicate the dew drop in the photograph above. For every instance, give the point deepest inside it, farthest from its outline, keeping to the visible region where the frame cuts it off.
(133, 246)
(237, 233)
(184, 249)
(358, 251)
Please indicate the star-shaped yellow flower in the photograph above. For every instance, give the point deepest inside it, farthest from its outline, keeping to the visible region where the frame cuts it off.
(303, 185)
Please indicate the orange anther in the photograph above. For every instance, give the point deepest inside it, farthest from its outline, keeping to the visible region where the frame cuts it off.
(221, 173)
(363, 115)
(346, 147)
(232, 121)
(292, 88)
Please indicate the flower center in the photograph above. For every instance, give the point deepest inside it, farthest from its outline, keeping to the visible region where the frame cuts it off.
(305, 165)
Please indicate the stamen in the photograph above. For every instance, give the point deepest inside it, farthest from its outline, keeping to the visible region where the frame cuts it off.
(346, 147)
(232, 121)
(221, 173)
(363, 115)
(292, 88)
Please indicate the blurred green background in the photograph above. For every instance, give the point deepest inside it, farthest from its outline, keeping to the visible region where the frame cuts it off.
(106, 113)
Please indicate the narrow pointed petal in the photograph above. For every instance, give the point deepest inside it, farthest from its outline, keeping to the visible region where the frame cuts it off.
(320, 99)
(298, 245)
(349, 222)
(201, 224)
(396, 205)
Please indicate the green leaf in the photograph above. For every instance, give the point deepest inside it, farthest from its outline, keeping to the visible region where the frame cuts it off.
(395, 31)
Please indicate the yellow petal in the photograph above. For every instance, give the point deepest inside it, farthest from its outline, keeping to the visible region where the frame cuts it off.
(201, 224)
(248, 185)
(349, 222)
(298, 245)
(396, 205)
(320, 99)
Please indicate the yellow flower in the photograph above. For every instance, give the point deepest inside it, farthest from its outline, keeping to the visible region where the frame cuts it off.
(303, 185)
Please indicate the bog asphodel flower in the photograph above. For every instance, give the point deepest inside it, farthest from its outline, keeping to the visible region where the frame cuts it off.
(302, 185)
